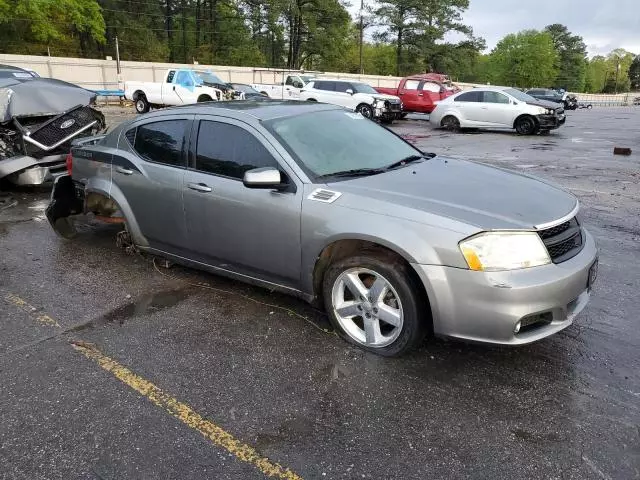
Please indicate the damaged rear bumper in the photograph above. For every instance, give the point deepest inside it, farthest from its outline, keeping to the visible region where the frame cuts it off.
(67, 199)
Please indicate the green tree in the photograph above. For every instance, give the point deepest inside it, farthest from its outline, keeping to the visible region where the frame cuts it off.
(572, 55)
(634, 74)
(596, 74)
(524, 59)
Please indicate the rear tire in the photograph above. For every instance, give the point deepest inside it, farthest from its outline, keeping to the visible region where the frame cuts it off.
(142, 105)
(526, 125)
(387, 315)
(365, 110)
(450, 123)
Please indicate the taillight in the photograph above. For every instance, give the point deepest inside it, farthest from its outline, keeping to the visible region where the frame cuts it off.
(69, 162)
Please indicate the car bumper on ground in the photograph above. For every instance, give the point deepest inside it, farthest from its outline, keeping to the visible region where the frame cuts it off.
(551, 121)
(487, 306)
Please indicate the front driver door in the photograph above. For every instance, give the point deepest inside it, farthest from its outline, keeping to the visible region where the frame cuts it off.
(246, 231)
(409, 96)
(498, 110)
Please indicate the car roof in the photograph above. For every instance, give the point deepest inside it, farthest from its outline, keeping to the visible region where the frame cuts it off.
(260, 110)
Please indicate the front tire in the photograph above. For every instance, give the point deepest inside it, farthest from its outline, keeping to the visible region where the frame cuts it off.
(526, 125)
(142, 105)
(373, 302)
(365, 110)
(450, 123)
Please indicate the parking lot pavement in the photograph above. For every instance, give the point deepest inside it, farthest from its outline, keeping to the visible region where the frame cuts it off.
(113, 367)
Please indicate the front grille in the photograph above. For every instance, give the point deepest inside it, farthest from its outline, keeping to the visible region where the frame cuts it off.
(394, 107)
(563, 241)
(75, 120)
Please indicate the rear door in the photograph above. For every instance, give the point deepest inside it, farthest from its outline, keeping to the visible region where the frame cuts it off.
(409, 96)
(325, 91)
(469, 105)
(247, 231)
(149, 172)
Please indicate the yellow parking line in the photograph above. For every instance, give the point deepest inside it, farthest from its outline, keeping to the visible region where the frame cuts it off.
(186, 414)
(41, 318)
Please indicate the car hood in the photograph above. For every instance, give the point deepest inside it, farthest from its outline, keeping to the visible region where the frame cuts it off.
(384, 96)
(545, 103)
(471, 193)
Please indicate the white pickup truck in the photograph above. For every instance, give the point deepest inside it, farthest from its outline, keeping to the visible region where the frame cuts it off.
(288, 89)
(180, 86)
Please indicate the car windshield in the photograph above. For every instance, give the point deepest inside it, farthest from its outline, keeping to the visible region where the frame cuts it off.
(208, 77)
(518, 95)
(336, 141)
(363, 88)
(306, 78)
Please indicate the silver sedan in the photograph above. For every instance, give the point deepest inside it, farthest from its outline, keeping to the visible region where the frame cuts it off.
(324, 204)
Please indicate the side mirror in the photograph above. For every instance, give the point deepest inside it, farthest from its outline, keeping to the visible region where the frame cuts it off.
(267, 178)
(297, 84)
(349, 91)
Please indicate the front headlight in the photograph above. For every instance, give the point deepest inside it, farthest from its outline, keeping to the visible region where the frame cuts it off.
(495, 251)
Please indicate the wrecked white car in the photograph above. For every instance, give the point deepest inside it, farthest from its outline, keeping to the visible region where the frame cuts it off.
(39, 118)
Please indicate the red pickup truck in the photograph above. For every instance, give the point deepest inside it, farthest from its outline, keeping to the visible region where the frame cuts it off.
(420, 92)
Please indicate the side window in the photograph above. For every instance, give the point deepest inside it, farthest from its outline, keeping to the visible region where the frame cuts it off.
(229, 151)
(411, 84)
(495, 97)
(161, 142)
(431, 87)
(343, 86)
(473, 96)
(131, 136)
(170, 75)
(536, 92)
(184, 78)
(324, 85)
(290, 80)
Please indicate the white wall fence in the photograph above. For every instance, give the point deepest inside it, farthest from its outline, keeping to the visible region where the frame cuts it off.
(102, 75)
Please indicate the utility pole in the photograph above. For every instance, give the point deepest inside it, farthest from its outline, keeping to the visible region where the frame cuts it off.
(617, 72)
(361, 34)
(117, 57)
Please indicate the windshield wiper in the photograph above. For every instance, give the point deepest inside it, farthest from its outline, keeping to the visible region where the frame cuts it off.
(406, 160)
(356, 172)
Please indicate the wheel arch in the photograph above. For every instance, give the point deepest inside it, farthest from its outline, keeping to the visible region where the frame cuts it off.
(111, 191)
(523, 115)
(353, 245)
(137, 94)
(205, 97)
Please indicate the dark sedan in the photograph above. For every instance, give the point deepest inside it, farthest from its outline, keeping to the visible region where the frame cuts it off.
(249, 91)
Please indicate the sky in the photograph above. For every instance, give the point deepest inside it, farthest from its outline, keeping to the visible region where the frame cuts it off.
(603, 24)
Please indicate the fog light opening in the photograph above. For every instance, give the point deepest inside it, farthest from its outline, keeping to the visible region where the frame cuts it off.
(517, 329)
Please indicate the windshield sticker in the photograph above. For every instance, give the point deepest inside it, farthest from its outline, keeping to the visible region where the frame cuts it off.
(355, 115)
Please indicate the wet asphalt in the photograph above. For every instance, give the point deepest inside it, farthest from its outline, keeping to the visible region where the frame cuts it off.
(266, 368)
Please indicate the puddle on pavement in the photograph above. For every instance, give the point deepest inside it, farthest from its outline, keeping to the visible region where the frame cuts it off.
(148, 303)
(543, 146)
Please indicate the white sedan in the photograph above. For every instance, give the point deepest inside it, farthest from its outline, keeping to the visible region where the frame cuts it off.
(497, 107)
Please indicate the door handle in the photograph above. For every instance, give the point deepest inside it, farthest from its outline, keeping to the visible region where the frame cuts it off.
(400, 93)
(124, 171)
(199, 187)
(484, 108)
(421, 94)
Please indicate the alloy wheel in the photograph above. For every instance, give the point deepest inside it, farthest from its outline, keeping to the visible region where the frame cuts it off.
(367, 307)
